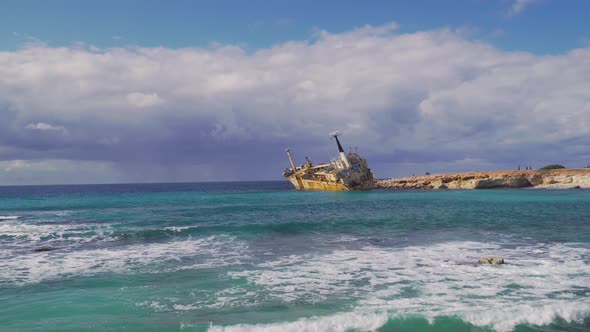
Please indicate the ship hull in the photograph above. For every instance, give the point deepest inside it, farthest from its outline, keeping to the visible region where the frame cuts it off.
(316, 185)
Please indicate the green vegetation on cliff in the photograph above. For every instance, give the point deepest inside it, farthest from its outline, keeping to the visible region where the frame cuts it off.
(550, 167)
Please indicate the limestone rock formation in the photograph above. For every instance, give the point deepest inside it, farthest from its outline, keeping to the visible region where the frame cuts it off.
(553, 179)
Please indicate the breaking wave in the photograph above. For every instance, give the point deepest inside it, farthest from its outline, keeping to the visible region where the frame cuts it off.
(212, 251)
(337, 323)
(380, 320)
(9, 217)
(29, 236)
(539, 284)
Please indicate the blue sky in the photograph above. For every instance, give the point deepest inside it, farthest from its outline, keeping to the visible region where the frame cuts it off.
(157, 91)
(541, 26)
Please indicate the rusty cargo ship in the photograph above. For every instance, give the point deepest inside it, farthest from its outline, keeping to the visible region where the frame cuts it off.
(346, 173)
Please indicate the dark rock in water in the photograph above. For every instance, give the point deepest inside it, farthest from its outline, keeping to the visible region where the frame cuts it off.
(4, 218)
(42, 249)
(491, 260)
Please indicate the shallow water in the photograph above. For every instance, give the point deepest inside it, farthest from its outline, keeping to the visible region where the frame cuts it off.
(260, 256)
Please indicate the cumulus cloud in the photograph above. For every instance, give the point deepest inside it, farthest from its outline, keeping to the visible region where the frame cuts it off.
(430, 97)
(518, 6)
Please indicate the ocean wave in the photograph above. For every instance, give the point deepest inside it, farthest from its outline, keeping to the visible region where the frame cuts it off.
(32, 235)
(23, 234)
(507, 318)
(337, 323)
(209, 252)
(539, 283)
(178, 229)
(381, 320)
(9, 217)
(200, 299)
(155, 233)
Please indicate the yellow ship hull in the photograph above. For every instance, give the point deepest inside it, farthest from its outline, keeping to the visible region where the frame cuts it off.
(318, 185)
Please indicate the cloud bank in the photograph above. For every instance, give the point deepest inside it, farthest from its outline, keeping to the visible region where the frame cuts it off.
(431, 100)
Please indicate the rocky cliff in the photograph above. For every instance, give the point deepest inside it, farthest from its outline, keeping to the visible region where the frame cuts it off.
(553, 179)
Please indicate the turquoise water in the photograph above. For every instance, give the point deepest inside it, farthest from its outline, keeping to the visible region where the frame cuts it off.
(260, 256)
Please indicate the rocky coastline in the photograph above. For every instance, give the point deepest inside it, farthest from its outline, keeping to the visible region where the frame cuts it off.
(550, 179)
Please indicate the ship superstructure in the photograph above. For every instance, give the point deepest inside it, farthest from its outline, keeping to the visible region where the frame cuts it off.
(348, 172)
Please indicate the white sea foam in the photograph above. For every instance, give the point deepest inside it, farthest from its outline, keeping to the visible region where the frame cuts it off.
(538, 283)
(505, 319)
(10, 217)
(213, 251)
(371, 321)
(30, 234)
(337, 323)
(154, 305)
(236, 297)
(178, 228)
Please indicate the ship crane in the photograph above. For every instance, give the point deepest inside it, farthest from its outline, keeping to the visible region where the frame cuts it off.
(343, 155)
(291, 160)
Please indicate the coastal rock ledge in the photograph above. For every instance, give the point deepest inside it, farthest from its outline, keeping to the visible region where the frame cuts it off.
(552, 179)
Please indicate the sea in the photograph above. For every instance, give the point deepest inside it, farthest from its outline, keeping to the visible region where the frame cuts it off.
(260, 256)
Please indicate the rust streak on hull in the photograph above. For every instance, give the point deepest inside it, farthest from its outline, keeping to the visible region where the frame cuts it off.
(316, 185)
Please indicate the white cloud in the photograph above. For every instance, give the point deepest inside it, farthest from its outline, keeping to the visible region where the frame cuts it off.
(430, 96)
(46, 127)
(8, 166)
(518, 6)
(141, 100)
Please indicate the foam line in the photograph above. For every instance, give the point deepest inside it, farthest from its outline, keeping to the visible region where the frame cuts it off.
(337, 323)
(539, 282)
(213, 251)
(33, 235)
(9, 217)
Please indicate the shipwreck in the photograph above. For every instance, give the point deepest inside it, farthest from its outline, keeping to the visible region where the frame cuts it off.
(346, 173)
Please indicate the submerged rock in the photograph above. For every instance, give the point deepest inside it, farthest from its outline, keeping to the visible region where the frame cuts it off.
(42, 249)
(491, 260)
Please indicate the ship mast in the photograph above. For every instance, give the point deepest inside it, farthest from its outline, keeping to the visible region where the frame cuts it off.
(343, 155)
(291, 159)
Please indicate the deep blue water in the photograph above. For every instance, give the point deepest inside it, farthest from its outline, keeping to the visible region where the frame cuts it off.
(259, 255)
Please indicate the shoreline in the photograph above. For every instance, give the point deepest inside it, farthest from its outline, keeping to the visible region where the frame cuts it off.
(569, 178)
